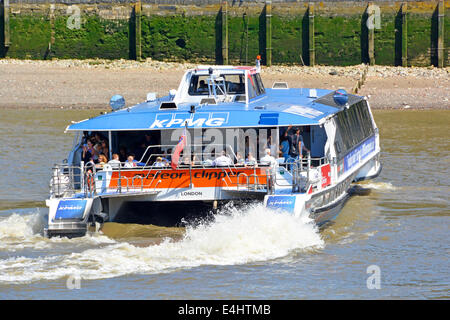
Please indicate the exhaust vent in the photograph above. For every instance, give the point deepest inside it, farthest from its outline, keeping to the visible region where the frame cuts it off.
(208, 101)
(168, 105)
(280, 85)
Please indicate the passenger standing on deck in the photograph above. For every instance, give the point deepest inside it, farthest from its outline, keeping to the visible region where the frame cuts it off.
(284, 148)
(296, 145)
(298, 140)
(88, 151)
(289, 135)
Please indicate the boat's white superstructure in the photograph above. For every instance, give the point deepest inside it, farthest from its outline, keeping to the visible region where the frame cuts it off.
(231, 129)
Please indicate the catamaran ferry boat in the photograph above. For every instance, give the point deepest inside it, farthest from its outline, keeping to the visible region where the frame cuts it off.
(220, 137)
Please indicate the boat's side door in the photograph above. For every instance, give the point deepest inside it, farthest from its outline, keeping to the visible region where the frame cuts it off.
(318, 140)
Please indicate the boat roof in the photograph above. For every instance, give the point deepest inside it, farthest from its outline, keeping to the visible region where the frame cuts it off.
(204, 69)
(277, 107)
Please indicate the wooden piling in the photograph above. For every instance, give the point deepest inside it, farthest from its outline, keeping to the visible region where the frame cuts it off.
(371, 38)
(440, 35)
(138, 30)
(404, 9)
(312, 60)
(52, 29)
(268, 32)
(4, 16)
(225, 32)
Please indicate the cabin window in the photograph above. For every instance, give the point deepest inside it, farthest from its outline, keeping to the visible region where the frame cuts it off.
(198, 86)
(259, 84)
(251, 89)
(234, 84)
(255, 86)
(354, 125)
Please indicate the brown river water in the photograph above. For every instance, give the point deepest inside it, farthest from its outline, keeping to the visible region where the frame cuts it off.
(400, 230)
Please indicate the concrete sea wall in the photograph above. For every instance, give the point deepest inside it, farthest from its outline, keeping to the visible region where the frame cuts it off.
(408, 33)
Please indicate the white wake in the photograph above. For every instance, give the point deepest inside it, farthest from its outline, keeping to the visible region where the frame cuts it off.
(233, 237)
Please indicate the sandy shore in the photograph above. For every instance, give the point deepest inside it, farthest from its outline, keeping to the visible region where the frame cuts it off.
(91, 83)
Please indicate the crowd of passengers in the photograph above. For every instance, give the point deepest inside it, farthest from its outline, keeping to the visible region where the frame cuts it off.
(96, 150)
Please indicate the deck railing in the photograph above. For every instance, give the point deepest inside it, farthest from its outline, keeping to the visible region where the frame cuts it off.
(295, 167)
(68, 180)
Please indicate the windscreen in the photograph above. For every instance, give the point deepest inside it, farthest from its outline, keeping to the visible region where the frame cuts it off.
(234, 84)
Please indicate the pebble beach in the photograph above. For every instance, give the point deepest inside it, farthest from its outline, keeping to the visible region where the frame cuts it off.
(89, 84)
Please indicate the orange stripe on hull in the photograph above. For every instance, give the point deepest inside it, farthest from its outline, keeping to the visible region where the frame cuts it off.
(173, 179)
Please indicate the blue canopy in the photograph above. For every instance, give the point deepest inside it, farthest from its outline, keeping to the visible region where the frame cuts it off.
(278, 107)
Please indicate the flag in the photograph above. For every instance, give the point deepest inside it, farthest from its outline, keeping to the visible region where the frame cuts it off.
(176, 153)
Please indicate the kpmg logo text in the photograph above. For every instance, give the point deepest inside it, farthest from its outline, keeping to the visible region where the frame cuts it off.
(198, 120)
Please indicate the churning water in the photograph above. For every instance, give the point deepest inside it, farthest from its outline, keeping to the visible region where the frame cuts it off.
(235, 237)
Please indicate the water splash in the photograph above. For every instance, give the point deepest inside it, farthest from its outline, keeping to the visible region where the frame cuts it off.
(232, 237)
(20, 225)
(380, 186)
(26, 231)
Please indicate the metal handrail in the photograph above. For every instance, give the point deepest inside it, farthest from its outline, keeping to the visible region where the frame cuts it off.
(159, 181)
(65, 181)
(128, 187)
(256, 182)
(297, 167)
(237, 181)
(149, 185)
(142, 181)
(270, 177)
(226, 173)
